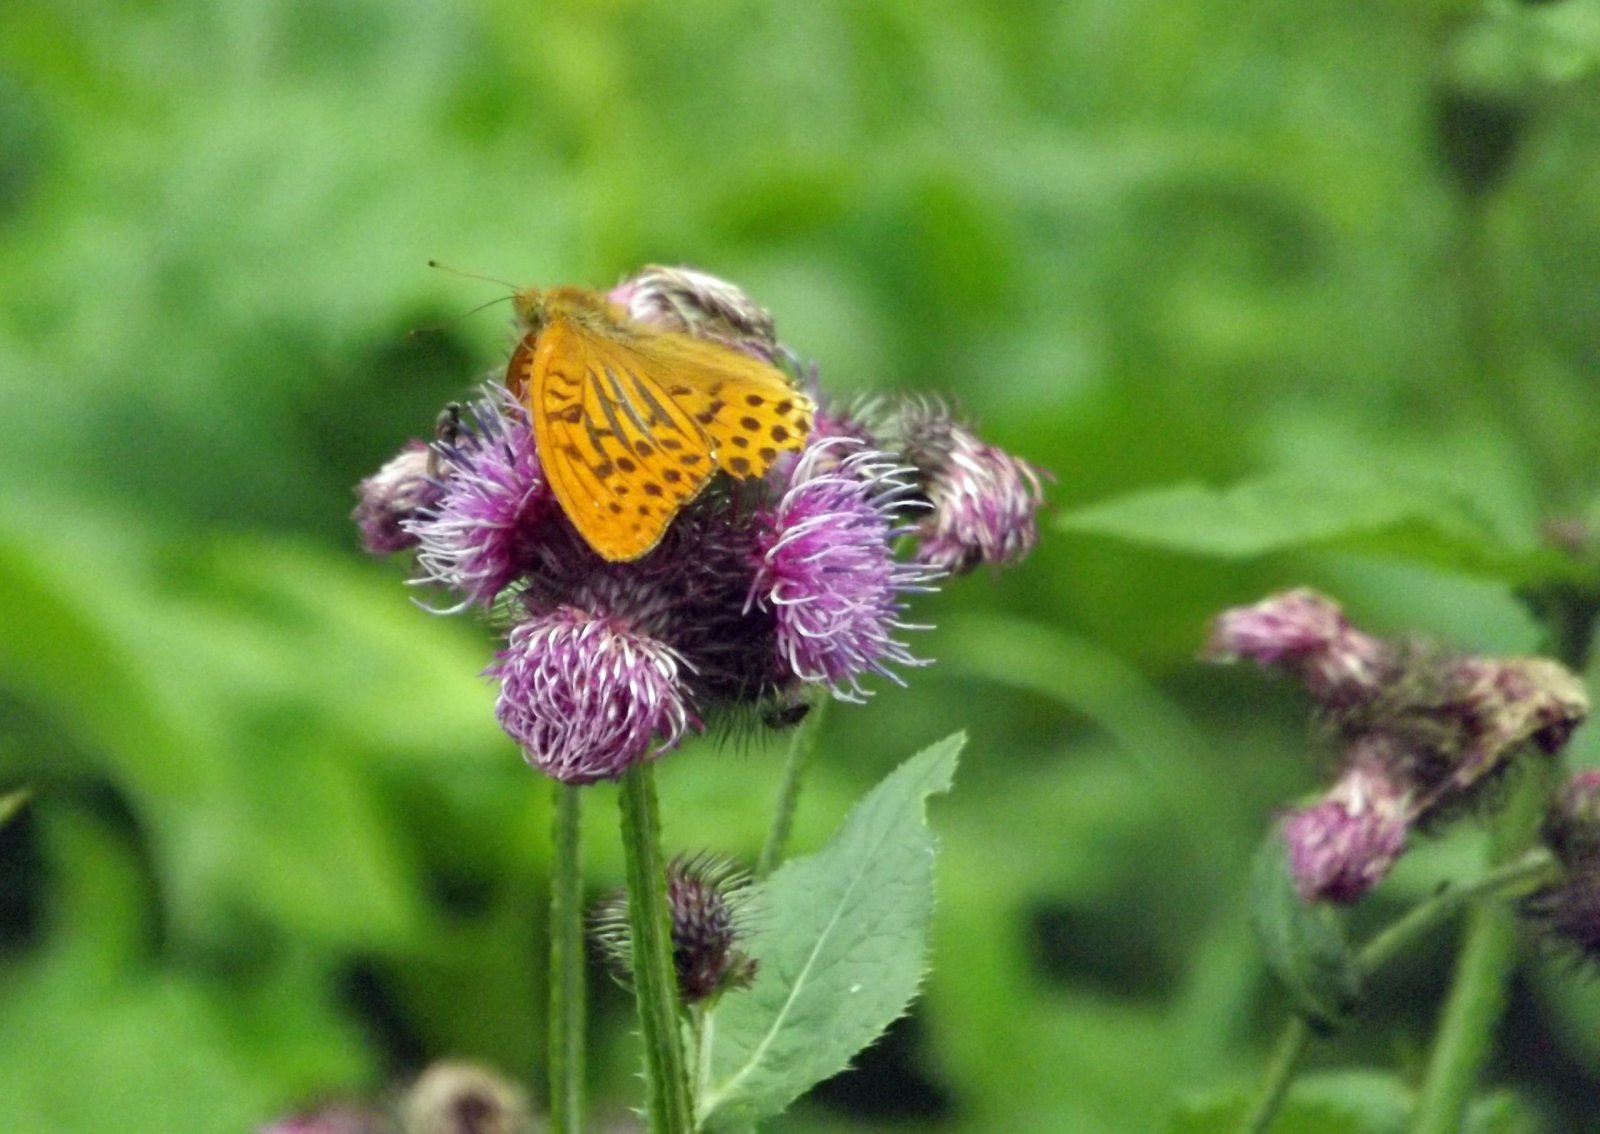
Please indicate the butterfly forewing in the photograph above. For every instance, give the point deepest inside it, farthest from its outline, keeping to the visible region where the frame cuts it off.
(620, 455)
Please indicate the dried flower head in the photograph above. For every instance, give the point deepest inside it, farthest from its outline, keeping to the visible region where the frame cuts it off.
(707, 900)
(1570, 910)
(464, 1098)
(984, 501)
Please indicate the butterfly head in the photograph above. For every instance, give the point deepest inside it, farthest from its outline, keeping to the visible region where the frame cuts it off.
(528, 305)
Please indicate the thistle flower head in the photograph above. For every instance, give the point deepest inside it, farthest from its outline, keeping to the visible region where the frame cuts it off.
(1572, 823)
(464, 1098)
(1306, 635)
(399, 492)
(984, 500)
(1343, 845)
(708, 905)
(586, 695)
(825, 567)
(699, 304)
(331, 1118)
(477, 538)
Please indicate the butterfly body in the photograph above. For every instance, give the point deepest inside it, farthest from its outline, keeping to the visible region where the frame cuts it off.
(631, 422)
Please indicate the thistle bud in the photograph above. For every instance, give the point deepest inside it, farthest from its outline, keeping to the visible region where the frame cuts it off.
(390, 498)
(707, 900)
(1572, 824)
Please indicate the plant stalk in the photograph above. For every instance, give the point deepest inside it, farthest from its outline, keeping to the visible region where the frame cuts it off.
(566, 965)
(655, 984)
(802, 743)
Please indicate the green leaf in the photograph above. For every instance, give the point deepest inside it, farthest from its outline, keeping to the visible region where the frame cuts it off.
(1406, 518)
(1348, 1102)
(13, 802)
(1303, 942)
(841, 955)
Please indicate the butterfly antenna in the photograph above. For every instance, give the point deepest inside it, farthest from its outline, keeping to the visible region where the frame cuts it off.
(470, 275)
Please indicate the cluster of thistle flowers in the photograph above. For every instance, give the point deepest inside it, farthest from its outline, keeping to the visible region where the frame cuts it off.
(760, 595)
(1420, 734)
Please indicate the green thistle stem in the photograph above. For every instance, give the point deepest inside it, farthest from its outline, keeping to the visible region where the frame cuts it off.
(566, 966)
(655, 983)
(802, 744)
(1520, 877)
(1483, 968)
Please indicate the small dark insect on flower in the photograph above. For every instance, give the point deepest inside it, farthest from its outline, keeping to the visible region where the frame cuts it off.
(707, 899)
(762, 593)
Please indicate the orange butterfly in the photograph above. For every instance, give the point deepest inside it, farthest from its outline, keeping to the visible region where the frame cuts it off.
(631, 422)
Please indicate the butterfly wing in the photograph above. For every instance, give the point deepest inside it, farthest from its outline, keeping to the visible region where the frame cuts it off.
(748, 408)
(621, 454)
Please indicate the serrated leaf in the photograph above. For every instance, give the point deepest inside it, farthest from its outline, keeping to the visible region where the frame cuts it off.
(1302, 942)
(1413, 520)
(841, 952)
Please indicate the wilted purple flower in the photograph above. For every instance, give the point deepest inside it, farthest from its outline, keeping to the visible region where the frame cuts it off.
(1502, 702)
(1570, 910)
(707, 901)
(476, 539)
(1342, 846)
(331, 1118)
(1307, 635)
(397, 493)
(826, 568)
(985, 501)
(696, 303)
(464, 1098)
(586, 695)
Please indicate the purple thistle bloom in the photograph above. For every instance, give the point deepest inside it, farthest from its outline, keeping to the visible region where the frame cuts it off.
(985, 501)
(826, 568)
(399, 492)
(476, 540)
(585, 695)
(1344, 845)
(1307, 635)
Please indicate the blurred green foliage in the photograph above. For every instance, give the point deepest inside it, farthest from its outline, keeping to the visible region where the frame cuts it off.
(276, 846)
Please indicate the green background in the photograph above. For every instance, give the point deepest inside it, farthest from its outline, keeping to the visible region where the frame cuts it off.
(278, 848)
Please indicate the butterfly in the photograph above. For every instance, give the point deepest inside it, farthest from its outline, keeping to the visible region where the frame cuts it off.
(631, 422)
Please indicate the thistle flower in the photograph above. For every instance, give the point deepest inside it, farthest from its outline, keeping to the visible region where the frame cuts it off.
(708, 903)
(1306, 635)
(826, 569)
(399, 492)
(984, 500)
(586, 695)
(1342, 846)
(477, 538)
(331, 1118)
(1572, 824)
(464, 1098)
(699, 304)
